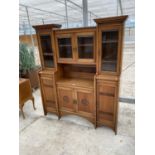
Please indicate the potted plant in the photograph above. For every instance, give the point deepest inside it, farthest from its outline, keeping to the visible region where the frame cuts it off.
(27, 67)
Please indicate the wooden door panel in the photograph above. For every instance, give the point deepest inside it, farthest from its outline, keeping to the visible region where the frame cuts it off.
(65, 48)
(85, 102)
(108, 106)
(106, 96)
(106, 101)
(110, 42)
(65, 97)
(85, 47)
(48, 92)
(46, 50)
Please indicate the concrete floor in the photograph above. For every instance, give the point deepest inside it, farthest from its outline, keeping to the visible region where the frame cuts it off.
(73, 135)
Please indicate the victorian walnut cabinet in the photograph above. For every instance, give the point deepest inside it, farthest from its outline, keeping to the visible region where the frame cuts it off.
(81, 70)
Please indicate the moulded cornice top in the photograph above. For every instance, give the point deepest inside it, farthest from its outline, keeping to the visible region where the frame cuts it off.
(116, 19)
(46, 26)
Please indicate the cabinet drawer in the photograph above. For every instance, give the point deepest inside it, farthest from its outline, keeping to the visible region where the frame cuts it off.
(47, 81)
(106, 91)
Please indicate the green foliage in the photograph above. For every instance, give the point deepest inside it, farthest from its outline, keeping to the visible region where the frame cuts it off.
(26, 58)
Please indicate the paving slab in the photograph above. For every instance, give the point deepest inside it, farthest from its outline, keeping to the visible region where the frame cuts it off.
(73, 135)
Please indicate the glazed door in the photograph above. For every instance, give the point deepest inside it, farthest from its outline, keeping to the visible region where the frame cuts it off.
(66, 99)
(85, 47)
(47, 56)
(106, 101)
(85, 102)
(109, 48)
(65, 47)
(48, 92)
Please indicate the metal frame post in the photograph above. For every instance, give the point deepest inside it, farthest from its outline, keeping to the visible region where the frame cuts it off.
(81, 7)
(66, 12)
(42, 20)
(120, 5)
(117, 7)
(90, 18)
(85, 12)
(24, 28)
(29, 25)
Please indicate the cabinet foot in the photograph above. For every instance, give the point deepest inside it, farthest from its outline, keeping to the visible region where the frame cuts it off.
(33, 103)
(45, 112)
(59, 117)
(95, 126)
(115, 132)
(22, 113)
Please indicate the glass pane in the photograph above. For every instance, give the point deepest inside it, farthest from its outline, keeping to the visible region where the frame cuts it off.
(65, 47)
(47, 50)
(85, 47)
(109, 50)
(48, 62)
(110, 36)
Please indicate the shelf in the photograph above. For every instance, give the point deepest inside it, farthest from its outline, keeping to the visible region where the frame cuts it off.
(109, 61)
(110, 41)
(85, 44)
(48, 54)
(79, 62)
(76, 82)
(64, 45)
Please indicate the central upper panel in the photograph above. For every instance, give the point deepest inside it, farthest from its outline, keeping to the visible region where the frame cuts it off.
(76, 46)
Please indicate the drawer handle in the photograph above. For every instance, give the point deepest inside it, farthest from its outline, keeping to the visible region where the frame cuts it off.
(106, 94)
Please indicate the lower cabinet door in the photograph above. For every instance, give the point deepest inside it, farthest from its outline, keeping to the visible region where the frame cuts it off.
(106, 101)
(85, 102)
(65, 97)
(48, 92)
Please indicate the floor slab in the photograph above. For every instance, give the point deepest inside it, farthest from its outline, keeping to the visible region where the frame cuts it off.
(73, 135)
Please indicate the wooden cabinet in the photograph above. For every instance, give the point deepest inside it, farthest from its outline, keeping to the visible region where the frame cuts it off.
(48, 92)
(46, 45)
(76, 99)
(81, 69)
(76, 47)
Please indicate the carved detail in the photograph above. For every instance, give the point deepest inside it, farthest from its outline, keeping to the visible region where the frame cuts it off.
(66, 99)
(84, 101)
